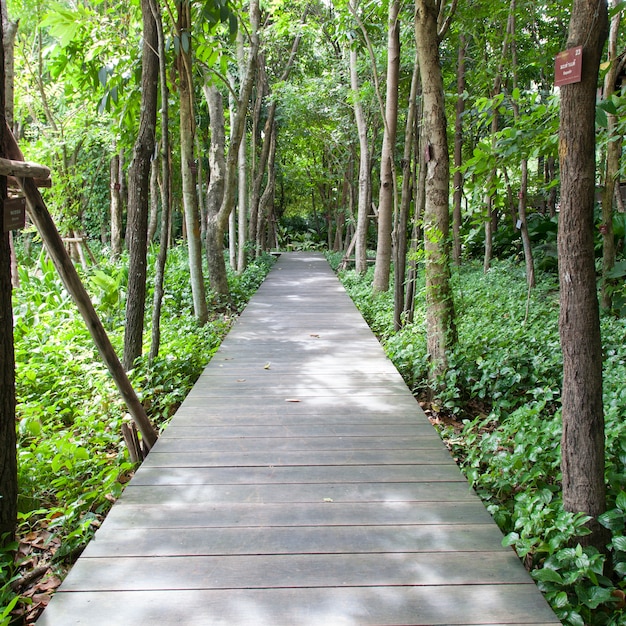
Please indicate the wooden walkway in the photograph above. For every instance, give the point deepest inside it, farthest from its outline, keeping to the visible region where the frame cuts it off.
(299, 484)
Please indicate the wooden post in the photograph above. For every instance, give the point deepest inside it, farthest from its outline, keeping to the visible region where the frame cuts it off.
(45, 225)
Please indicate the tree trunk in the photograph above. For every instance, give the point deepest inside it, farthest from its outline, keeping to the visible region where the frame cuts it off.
(458, 153)
(401, 235)
(153, 222)
(220, 207)
(188, 178)
(440, 324)
(8, 452)
(215, 192)
(611, 171)
(582, 445)
(365, 181)
(166, 202)
(139, 192)
(116, 208)
(387, 195)
(242, 179)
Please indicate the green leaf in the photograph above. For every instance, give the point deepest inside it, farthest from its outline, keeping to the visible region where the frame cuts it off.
(620, 503)
(547, 575)
(619, 543)
(560, 600)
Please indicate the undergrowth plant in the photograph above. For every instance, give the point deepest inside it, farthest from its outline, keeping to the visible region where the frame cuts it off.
(502, 387)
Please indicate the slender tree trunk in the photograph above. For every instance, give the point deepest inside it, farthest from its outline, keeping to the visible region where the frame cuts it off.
(242, 180)
(215, 192)
(582, 445)
(401, 236)
(440, 322)
(116, 208)
(166, 202)
(365, 181)
(188, 178)
(611, 171)
(154, 200)
(8, 453)
(139, 191)
(458, 152)
(218, 217)
(387, 195)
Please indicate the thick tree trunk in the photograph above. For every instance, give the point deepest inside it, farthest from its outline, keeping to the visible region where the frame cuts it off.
(387, 195)
(440, 324)
(188, 178)
(8, 453)
(582, 446)
(139, 192)
(365, 181)
(458, 153)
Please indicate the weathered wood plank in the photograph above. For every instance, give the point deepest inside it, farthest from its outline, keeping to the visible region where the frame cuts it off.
(188, 515)
(288, 493)
(436, 453)
(295, 570)
(307, 540)
(474, 605)
(456, 485)
(298, 457)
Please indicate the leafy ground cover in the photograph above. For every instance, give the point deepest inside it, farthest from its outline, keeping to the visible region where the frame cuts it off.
(71, 456)
(498, 409)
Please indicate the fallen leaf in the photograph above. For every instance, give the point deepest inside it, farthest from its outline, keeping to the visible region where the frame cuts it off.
(267, 366)
(314, 335)
(241, 380)
(292, 400)
(328, 500)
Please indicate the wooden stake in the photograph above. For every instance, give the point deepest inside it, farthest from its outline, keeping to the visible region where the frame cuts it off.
(54, 244)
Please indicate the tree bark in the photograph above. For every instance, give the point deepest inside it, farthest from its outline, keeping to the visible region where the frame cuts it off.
(139, 193)
(166, 201)
(116, 208)
(365, 181)
(611, 170)
(458, 153)
(401, 235)
(387, 195)
(582, 445)
(8, 452)
(440, 324)
(220, 207)
(188, 178)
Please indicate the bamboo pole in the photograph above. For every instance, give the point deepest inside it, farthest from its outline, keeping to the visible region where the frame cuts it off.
(42, 219)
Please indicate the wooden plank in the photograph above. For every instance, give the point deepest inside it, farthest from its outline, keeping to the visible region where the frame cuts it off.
(288, 493)
(307, 540)
(176, 431)
(239, 515)
(455, 486)
(295, 570)
(436, 450)
(277, 458)
(475, 605)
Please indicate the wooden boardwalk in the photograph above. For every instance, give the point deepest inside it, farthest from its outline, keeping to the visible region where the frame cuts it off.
(299, 484)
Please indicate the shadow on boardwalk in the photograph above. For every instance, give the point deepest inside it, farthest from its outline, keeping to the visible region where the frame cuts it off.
(298, 484)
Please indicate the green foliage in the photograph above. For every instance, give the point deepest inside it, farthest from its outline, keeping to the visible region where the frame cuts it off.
(503, 384)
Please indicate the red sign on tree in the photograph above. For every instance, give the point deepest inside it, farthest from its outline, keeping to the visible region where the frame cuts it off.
(569, 66)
